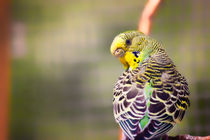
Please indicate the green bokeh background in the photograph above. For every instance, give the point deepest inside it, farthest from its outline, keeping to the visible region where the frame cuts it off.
(63, 72)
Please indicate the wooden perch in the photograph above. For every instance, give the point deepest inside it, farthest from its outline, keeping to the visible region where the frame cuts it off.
(185, 137)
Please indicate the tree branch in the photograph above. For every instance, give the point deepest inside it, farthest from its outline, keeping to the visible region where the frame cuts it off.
(185, 137)
(146, 17)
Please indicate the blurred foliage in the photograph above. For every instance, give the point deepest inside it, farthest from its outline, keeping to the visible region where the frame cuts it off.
(63, 72)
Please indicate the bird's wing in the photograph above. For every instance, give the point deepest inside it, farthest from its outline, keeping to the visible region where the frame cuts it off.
(169, 98)
(152, 102)
(129, 104)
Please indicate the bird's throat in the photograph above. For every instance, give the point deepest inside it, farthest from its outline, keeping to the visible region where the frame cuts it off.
(130, 60)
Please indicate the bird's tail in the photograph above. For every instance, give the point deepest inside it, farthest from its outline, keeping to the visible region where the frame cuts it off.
(154, 130)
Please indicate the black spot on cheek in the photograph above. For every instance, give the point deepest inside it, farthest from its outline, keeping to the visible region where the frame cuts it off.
(135, 53)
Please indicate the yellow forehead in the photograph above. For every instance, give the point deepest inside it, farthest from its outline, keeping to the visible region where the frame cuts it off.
(117, 43)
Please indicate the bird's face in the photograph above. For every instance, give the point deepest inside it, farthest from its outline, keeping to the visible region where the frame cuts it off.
(127, 48)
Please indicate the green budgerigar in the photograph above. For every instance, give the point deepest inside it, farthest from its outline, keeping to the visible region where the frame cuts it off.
(150, 96)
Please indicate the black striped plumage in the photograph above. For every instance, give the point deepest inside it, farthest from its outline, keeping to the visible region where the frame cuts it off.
(153, 92)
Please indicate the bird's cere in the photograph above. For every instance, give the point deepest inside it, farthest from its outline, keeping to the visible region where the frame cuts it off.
(118, 42)
(119, 52)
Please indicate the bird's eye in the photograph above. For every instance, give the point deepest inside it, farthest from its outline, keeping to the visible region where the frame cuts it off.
(128, 42)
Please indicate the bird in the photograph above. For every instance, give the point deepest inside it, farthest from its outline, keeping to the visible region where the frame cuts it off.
(150, 96)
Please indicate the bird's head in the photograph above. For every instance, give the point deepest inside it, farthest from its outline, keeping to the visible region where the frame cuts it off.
(132, 48)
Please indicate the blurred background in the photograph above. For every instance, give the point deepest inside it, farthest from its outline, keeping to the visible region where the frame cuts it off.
(62, 72)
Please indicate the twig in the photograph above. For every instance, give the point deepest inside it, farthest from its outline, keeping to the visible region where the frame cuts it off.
(145, 19)
(185, 137)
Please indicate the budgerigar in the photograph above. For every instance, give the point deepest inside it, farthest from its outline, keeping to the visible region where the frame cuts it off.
(150, 96)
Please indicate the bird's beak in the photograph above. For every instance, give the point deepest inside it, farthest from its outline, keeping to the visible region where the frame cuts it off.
(119, 52)
(117, 44)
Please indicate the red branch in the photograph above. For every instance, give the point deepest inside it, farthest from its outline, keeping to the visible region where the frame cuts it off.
(185, 137)
(145, 20)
